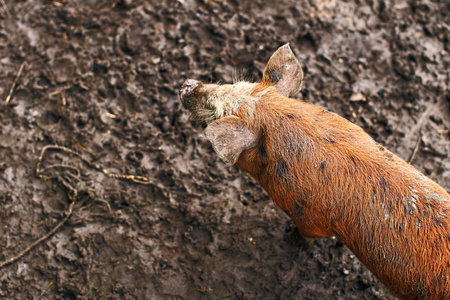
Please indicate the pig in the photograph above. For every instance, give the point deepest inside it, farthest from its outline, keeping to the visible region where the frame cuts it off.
(330, 177)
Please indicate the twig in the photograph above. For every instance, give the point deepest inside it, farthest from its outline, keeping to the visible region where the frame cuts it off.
(351, 110)
(106, 203)
(84, 149)
(15, 82)
(45, 290)
(7, 10)
(68, 213)
(114, 4)
(95, 199)
(63, 98)
(61, 90)
(61, 166)
(55, 147)
(413, 154)
(134, 178)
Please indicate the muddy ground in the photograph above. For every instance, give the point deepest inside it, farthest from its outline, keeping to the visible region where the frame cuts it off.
(102, 78)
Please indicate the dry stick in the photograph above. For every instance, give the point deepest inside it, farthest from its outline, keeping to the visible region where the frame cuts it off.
(352, 110)
(61, 148)
(102, 201)
(134, 178)
(63, 98)
(68, 213)
(7, 9)
(14, 83)
(415, 148)
(84, 149)
(45, 290)
(61, 166)
(95, 199)
(114, 4)
(60, 90)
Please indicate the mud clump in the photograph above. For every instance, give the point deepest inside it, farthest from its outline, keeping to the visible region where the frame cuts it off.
(102, 78)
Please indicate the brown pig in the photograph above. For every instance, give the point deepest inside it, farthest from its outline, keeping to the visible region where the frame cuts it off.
(330, 177)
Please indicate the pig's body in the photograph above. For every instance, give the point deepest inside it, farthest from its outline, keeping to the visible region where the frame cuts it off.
(331, 178)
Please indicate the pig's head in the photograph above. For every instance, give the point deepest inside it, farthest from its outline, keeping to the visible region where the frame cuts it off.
(225, 111)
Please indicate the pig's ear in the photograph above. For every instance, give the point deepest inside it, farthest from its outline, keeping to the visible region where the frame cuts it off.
(284, 71)
(230, 136)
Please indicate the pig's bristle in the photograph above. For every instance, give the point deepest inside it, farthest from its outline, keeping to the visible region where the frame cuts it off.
(241, 77)
(236, 76)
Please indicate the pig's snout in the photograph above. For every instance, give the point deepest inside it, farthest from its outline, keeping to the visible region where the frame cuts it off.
(186, 90)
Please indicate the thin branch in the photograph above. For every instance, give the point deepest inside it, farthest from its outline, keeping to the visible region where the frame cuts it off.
(61, 166)
(45, 290)
(56, 147)
(13, 259)
(413, 154)
(15, 82)
(134, 178)
(8, 13)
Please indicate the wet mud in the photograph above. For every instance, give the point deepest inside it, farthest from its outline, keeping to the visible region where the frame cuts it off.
(102, 78)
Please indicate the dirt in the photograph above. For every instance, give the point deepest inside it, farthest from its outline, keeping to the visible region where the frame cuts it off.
(102, 78)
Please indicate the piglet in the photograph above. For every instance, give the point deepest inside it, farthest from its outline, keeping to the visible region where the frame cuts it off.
(330, 177)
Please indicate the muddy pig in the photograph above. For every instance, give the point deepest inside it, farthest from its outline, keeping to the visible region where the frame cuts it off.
(330, 177)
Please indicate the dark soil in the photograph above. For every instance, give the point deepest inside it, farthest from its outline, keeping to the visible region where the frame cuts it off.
(102, 78)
